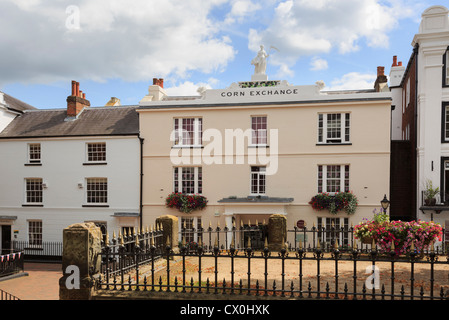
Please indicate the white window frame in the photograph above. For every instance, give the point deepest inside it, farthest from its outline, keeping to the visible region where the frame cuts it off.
(182, 138)
(324, 126)
(88, 200)
(188, 222)
(38, 191)
(35, 233)
(256, 177)
(327, 223)
(259, 136)
(446, 122)
(323, 179)
(32, 153)
(88, 152)
(446, 66)
(179, 177)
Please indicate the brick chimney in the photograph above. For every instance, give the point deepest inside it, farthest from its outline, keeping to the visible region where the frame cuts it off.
(156, 91)
(158, 82)
(381, 81)
(76, 102)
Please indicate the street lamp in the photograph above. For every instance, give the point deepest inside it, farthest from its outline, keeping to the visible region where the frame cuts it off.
(385, 203)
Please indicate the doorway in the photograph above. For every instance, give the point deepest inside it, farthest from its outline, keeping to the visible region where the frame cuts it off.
(5, 239)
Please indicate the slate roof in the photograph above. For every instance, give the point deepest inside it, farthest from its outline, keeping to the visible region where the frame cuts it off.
(16, 104)
(92, 121)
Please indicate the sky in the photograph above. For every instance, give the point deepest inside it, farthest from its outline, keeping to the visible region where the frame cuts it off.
(114, 48)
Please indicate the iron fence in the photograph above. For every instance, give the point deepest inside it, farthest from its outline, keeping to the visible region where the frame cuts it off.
(343, 236)
(308, 238)
(7, 296)
(286, 274)
(11, 263)
(46, 251)
(125, 253)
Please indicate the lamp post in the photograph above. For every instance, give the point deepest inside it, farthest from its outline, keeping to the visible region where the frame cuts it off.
(385, 203)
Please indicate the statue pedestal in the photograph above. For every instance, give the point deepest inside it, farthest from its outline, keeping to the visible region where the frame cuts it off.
(259, 77)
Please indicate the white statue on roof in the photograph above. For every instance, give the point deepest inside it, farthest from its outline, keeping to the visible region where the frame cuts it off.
(260, 61)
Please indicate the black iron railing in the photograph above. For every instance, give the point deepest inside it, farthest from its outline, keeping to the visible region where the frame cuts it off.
(11, 263)
(7, 296)
(46, 251)
(125, 253)
(316, 274)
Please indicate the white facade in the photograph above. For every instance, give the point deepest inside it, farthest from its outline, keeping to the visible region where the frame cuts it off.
(64, 171)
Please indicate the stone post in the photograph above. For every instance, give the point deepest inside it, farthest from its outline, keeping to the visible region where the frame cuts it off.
(277, 232)
(170, 229)
(81, 260)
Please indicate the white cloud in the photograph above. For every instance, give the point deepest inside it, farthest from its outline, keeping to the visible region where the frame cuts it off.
(307, 28)
(318, 64)
(131, 40)
(353, 81)
(188, 88)
(240, 9)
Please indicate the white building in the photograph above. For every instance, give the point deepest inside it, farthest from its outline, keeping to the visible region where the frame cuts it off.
(420, 93)
(71, 165)
(10, 108)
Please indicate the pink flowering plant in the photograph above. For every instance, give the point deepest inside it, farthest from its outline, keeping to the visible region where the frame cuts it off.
(400, 233)
(186, 202)
(339, 201)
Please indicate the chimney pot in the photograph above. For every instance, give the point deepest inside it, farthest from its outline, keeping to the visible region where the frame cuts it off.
(400, 63)
(73, 88)
(380, 71)
(161, 82)
(395, 61)
(77, 91)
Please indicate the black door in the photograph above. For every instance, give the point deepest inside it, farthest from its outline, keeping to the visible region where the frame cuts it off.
(6, 239)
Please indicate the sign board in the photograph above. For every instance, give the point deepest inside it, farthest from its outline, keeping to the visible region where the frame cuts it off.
(301, 224)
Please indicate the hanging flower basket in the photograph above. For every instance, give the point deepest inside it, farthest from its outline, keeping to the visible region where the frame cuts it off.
(346, 201)
(185, 202)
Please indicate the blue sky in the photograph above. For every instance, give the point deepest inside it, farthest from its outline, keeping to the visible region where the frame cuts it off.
(115, 48)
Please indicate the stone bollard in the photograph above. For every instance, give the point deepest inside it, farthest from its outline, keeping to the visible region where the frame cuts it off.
(277, 232)
(170, 229)
(81, 261)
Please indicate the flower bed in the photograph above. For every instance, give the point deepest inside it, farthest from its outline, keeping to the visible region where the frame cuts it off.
(401, 233)
(346, 201)
(185, 203)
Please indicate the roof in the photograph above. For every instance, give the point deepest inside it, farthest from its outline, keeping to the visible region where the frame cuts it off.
(98, 121)
(16, 104)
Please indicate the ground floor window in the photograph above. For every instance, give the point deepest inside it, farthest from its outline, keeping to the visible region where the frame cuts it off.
(334, 229)
(35, 233)
(191, 228)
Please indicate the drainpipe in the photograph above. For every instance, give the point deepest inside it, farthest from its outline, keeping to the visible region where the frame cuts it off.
(141, 181)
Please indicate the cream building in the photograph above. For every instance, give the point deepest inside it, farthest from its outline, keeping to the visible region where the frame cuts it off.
(263, 147)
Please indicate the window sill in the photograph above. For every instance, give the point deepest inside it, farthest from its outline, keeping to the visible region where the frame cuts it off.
(187, 147)
(335, 144)
(258, 146)
(95, 163)
(95, 206)
(32, 205)
(33, 164)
